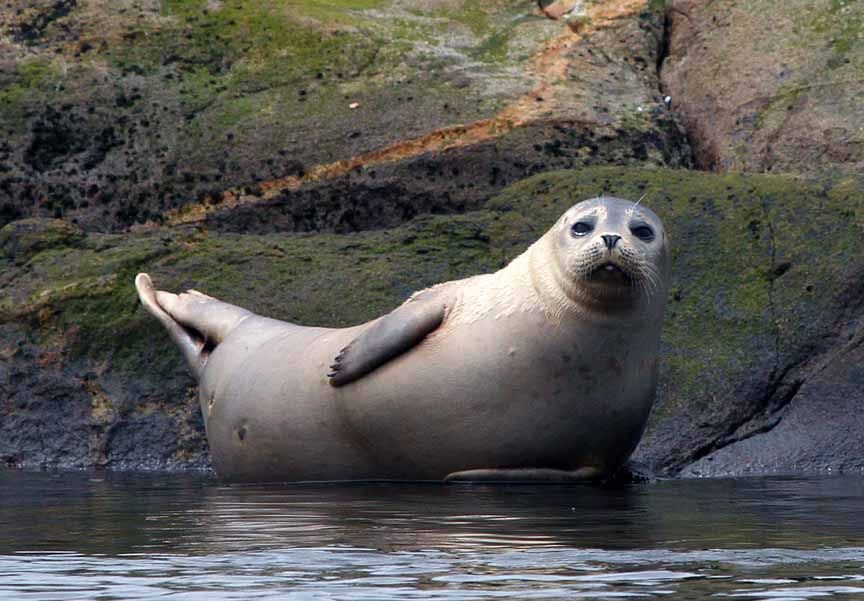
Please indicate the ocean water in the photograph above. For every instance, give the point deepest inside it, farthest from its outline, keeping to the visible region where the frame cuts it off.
(125, 536)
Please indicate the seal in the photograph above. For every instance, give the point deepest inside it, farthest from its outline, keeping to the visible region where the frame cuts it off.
(543, 371)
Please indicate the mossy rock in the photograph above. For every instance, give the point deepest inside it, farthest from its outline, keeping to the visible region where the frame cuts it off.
(21, 239)
(116, 117)
(759, 262)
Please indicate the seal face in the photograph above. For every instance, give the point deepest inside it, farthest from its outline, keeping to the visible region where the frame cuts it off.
(612, 254)
(543, 371)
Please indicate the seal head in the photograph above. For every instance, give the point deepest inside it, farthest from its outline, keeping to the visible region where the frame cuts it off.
(611, 256)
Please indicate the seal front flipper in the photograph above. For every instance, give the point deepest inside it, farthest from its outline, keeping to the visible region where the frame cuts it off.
(527, 475)
(388, 337)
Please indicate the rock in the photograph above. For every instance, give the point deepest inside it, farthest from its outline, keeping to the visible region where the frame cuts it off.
(177, 113)
(555, 9)
(759, 322)
(766, 90)
(819, 428)
(21, 239)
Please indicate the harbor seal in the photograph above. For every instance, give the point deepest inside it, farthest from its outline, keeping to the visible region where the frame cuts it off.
(545, 370)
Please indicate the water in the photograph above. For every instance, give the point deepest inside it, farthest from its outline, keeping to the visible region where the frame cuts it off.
(80, 536)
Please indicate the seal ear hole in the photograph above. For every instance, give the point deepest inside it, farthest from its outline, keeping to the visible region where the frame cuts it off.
(241, 433)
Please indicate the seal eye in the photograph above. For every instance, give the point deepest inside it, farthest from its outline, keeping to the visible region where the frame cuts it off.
(643, 232)
(580, 228)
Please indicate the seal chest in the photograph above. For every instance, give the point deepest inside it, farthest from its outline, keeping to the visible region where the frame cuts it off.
(544, 370)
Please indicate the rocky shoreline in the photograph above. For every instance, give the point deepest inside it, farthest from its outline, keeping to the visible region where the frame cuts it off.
(319, 167)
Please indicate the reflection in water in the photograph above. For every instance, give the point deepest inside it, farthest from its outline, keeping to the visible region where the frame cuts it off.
(76, 536)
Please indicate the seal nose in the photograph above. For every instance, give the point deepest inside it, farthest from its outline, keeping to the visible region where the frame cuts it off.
(611, 240)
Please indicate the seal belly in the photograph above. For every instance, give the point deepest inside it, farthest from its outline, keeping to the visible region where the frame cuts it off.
(560, 403)
(552, 400)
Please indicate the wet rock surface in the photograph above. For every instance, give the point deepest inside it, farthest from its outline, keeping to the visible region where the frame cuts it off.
(73, 413)
(816, 425)
(818, 431)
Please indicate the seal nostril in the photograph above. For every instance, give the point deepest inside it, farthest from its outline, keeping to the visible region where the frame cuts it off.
(610, 240)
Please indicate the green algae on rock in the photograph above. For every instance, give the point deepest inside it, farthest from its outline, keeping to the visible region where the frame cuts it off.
(759, 265)
(21, 239)
(754, 307)
(115, 116)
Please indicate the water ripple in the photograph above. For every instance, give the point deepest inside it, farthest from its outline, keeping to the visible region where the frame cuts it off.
(344, 572)
(72, 537)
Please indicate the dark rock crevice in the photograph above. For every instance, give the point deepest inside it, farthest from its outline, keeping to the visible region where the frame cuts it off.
(663, 54)
(663, 49)
(762, 91)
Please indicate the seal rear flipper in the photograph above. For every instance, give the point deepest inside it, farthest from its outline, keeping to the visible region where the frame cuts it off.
(526, 474)
(191, 344)
(388, 337)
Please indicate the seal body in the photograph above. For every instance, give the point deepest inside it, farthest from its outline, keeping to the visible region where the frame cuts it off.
(545, 370)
